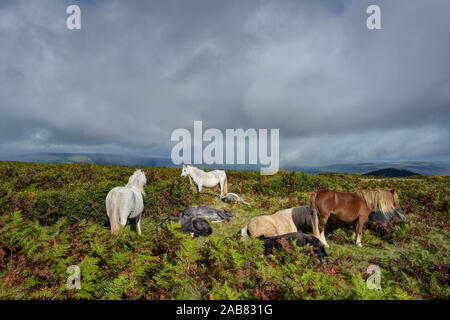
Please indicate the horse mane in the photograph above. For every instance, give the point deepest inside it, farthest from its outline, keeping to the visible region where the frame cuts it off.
(301, 215)
(379, 199)
(137, 180)
(195, 168)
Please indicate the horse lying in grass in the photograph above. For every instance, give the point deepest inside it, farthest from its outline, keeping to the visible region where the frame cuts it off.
(379, 220)
(300, 239)
(386, 218)
(123, 203)
(206, 179)
(208, 213)
(300, 215)
(348, 207)
(281, 222)
(195, 226)
(233, 198)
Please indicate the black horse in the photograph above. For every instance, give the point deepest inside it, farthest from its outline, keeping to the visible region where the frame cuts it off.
(196, 226)
(301, 239)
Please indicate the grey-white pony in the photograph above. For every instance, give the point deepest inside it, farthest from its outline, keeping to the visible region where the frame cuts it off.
(123, 203)
(233, 197)
(206, 179)
(208, 213)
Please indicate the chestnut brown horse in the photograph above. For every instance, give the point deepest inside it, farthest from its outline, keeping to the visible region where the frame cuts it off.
(346, 206)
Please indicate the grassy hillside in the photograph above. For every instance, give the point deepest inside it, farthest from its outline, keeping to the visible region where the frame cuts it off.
(53, 216)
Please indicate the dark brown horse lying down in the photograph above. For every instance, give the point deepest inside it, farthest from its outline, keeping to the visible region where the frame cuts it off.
(300, 239)
(196, 226)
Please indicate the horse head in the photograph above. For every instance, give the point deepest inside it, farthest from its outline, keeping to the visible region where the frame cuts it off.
(318, 248)
(138, 180)
(397, 216)
(184, 171)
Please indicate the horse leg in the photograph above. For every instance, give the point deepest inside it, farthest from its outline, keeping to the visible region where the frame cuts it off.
(221, 188)
(358, 230)
(199, 188)
(315, 221)
(138, 224)
(324, 241)
(355, 223)
(322, 223)
(123, 220)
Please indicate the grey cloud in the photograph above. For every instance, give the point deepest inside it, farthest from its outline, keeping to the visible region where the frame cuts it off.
(416, 143)
(139, 69)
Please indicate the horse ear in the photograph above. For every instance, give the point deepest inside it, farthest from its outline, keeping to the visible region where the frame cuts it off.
(393, 191)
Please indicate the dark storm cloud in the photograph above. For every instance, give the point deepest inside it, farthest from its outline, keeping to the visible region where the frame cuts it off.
(139, 69)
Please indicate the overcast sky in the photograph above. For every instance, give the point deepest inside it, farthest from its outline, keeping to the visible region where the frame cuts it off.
(137, 70)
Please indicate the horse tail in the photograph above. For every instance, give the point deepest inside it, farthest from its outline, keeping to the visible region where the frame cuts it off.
(314, 214)
(244, 232)
(225, 185)
(114, 215)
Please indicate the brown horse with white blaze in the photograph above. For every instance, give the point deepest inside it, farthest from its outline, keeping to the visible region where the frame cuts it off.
(346, 206)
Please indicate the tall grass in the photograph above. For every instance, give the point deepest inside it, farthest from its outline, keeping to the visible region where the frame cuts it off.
(53, 216)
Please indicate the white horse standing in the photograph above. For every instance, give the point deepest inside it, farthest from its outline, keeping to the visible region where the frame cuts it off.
(123, 203)
(206, 179)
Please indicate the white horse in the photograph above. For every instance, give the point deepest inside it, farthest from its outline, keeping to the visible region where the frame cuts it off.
(206, 179)
(123, 203)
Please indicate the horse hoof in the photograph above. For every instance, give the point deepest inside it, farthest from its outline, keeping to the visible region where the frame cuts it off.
(359, 245)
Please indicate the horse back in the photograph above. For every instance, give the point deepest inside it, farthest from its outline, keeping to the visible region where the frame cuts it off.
(347, 206)
(219, 173)
(272, 225)
(129, 199)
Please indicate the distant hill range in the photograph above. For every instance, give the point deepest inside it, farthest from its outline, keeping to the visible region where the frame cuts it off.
(391, 172)
(397, 169)
(416, 167)
(114, 159)
(93, 158)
